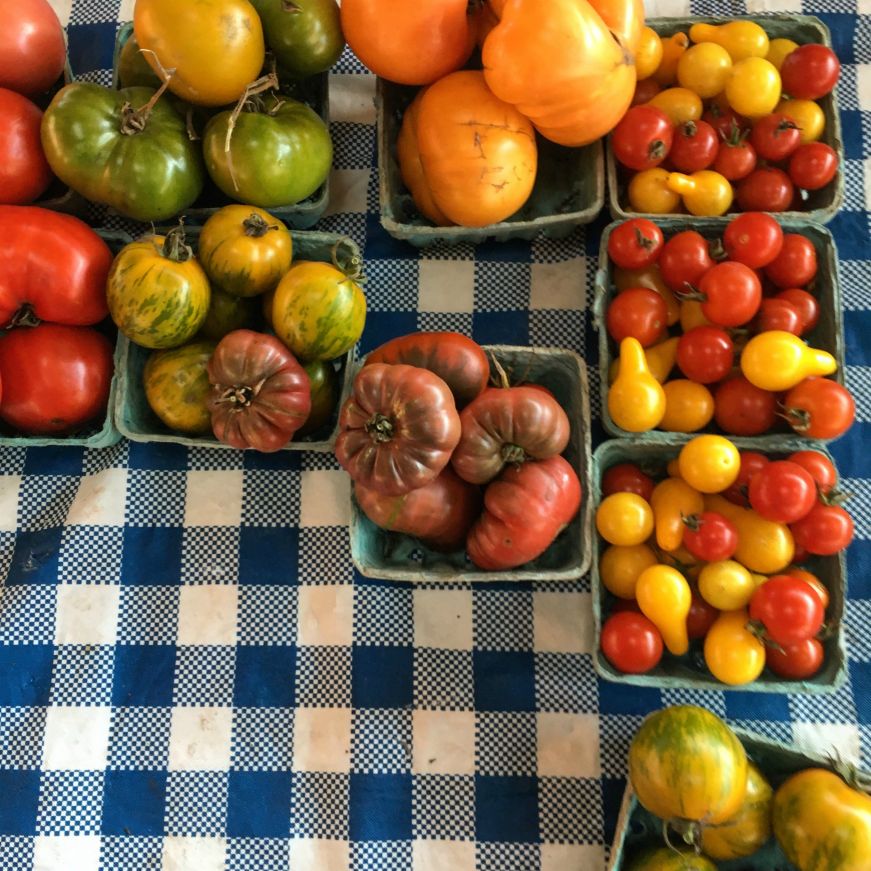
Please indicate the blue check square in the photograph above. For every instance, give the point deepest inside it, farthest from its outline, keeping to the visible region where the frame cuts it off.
(382, 677)
(506, 809)
(380, 807)
(265, 676)
(20, 791)
(151, 556)
(133, 802)
(757, 706)
(258, 804)
(860, 675)
(54, 461)
(617, 699)
(155, 456)
(268, 556)
(35, 558)
(25, 675)
(143, 675)
(501, 328)
(504, 680)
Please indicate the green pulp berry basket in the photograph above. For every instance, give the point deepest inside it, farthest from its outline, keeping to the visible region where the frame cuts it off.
(378, 553)
(639, 830)
(821, 205)
(689, 671)
(569, 188)
(313, 91)
(137, 421)
(828, 335)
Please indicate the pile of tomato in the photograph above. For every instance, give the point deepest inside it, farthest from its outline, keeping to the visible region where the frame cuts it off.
(731, 315)
(711, 128)
(708, 554)
(436, 453)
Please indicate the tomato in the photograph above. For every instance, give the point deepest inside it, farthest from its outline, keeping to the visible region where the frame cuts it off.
(808, 115)
(779, 361)
(726, 121)
(753, 87)
(689, 406)
(133, 69)
(673, 48)
(701, 617)
(735, 159)
(796, 661)
(244, 250)
(813, 166)
(685, 763)
(704, 193)
(788, 608)
(684, 259)
(778, 49)
(639, 313)
(671, 859)
(631, 643)
(227, 313)
(805, 304)
(664, 597)
(645, 91)
(782, 491)
(777, 314)
(620, 566)
(177, 387)
(691, 315)
(818, 586)
(635, 244)
(819, 466)
(705, 354)
(32, 47)
(709, 463)
(710, 536)
(819, 408)
(751, 463)
(742, 409)
(649, 54)
(439, 514)
(525, 509)
(24, 171)
(824, 530)
(157, 292)
(673, 500)
(460, 362)
(766, 189)
(636, 400)
(52, 267)
(733, 654)
(660, 360)
(649, 277)
(695, 146)
(726, 584)
(643, 138)
(795, 265)
(810, 72)
(624, 519)
(324, 386)
(679, 104)
(55, 378)
(187, 38)
(704, 69)
(648, 192)
(319, 310)
(775, 137)
(732, 294)
(627, 478)
(742, 39)
(754, 239)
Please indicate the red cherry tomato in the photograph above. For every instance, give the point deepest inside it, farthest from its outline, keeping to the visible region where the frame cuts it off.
(775, 137)
(645, 91)
(728, 123)
(635, 244)
(810, 72)
(766, 189)
(735, 160)
(701, 616)
(788, 608)
(631, 643)
(777, 314)
(795, 661)
(627, 478)
(705, 354)
(782, 491)
(643, 138)
(637, 312)
(795, 265)
(813, 165)
(819, 408)
(753, 239)
(32, 47)
(825, 530)
(709, 536)
(820, 588)
(743, 409)
(694, 147)
(24, 171)
(805, 304)
(732, 294)
(820, 468)
(684, 259)
(751, 463)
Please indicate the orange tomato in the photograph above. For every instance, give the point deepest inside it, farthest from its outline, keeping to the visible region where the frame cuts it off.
(672, 49)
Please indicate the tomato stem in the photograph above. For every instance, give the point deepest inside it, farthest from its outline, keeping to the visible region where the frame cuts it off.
(240, 397)
(689, 830)
(380, 428)
(134, 121)
(513, 454)
(352, 267)
(258, 86)
(24, 317)
(256, 227)
(174, 247)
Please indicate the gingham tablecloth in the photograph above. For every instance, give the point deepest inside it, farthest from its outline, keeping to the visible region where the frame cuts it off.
(193, 677)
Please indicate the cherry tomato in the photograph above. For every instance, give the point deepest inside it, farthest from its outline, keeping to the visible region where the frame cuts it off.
(624, 279)
(726, 584)
(627, 478)
(732, 294)
(704, 193)
(788, 608)
(809, 578)
(648, 192)
(813, 166)
(635, 244)
(766, 189)
(705, 354)
(742, 409)
(753, 239)
(645, 91)
(795, 661)
(825, 530)
(689, 406)
(733, 654)
(631, 643)
(619, 568)
(709, 463)
(725, 120)
(795, 265)
(805, 304)
(819, 466)
(625, 519)
(648, 55)
(753, 88)
(735, 160)
(680, 104)
(684, 259)
(775, 137)
(777, 314)
(710, 536)
(810, 72)
(701, 616)
(638, 312)
(643, 138)
(808, 115)
(694, 146)
(782, 491)
(704, 69)
(819, 408)
(751, 463)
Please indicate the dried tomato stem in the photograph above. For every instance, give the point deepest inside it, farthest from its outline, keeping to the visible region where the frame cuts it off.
(513, 454)
(24, 317)
(256, 227)
(133, 121)
(174, 247)
(258, 86)
(380, 428)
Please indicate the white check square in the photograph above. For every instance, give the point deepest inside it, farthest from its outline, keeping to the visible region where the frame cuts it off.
(67, 852)
(563, 622)
(213, 498)
(86, 614)
(567, 745)
(443, 742)
(207, 614)
(194, 854)
(443, 619)
(100, 499)
(199, 739)
(325, 499)
(76, 738)
(322, 740)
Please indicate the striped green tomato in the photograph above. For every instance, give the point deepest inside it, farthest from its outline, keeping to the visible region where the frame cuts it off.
(177, 387)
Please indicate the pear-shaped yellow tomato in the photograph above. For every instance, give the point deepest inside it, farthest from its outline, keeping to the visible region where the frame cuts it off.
(726, 585)
(744, 833)
(672, 49)
(660, 360)
(664, 597)
(741, 39)
(776, 360)
(215, 47)
(691, 315)
(624, 519)
(733, 654)
(648, 191)
(649, 54)
(709, 463)
(689, 406)
(620, 566)
(672, 500)
(636, 401)
(704, 193)
(177, 387)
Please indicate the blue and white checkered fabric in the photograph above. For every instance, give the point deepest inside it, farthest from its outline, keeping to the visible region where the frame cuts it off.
(192, 677)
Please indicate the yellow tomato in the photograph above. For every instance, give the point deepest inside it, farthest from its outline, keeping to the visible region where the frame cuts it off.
(660, 360)
(776, 360)
(671, 501)
(691, 315)
(808, 115)
(673, 468)
(651, 278)
(664, 597)
(753, 87)
(648, 192)
(649, 54)
(742, 39)
(619, 568)
(689, 406)
(680, 104)
(744, 833)
(672, 49)
(709, 463)
(704, 69)
(704, 193)
(733, 654)
(636, 401)
(726, 585)
(778, 49)
(624, 519)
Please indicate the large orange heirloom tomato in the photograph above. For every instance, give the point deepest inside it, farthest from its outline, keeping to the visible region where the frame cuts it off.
(413, 42)
(567, 65)
(466, 156)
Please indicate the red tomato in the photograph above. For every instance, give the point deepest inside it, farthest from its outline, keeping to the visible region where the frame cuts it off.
(741, 408)
(635, 244)
(805, 304)
(820, 467)
(735, 160)
(782, 491)
(32, 48)
(795, 661)
(638, 312)
(788, 608)
(795, 265)
(766, 189)
(24, 171)
(775, 137)
(645, 91)
(684, 259)
(728, 123)
(825, 530)
(732, 294)
(753, 239)
(620, 605)
(631, 643)
(813, 165)
(821, 589)
(819, 408)
(777, 314)
(701, 616)
(643, 138)
(810, 72)
(627, 478)
(694, 147)
(705, 354)
(55, 378)
(751, 463)
(709, 536)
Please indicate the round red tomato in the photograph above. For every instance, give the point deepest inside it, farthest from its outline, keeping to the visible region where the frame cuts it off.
(645, 91)
(728, 123)
(694, 147)
(635, 244)
(795, 661)
(788, 608)
(825, 530)
(684, 259)
(810, 72)
(782, 491)
(736, 160)
(32, 47)
(813, 165)
(732, 294)
(766, 189)
(24, 171)
(820, 467)
(638, 312)
(819, 408)
(627, 478)
(775, 137)
(741, 408)
(805, 304)
(753, 239)
(701, 616)
(631, 643)
(55, 378)
(751, 463)
(709, 536)
(643, 138)
(777, 314)
(795, 265)
(705, 354)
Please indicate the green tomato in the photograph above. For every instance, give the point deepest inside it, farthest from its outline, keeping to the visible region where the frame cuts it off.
(177, 387)
(105, 146)
(227, 313)
(324, 382)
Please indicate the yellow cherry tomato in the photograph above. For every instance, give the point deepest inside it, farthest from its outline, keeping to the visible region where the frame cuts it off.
(671, 501)
(753, 87)
(704, 68)
(648, 192)
(673, 468)
(660, 360)
(624, 519)
(778, 49)
(664, 597)
(680, 104)
(620, 566)
(691, 315)
(758, 580)
(636, 401)
(808, 115)
(689, 406)
(709, 463)
(776, 360)
(733, 654)
(741, 39)
(649, 54)
(705, 193)
(651, 278)
(726, 585)
(672, 49)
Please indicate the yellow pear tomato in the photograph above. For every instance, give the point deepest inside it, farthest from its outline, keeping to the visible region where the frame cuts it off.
(709, 463)
(636, 401)
(672, 49)
(705, 193)
(691, 315)
(649, 192)
(689, 406)
(671, 501)
(680, 104)
(624, 519)
(753, 87)
(664, 597)
(776, 360)
(620, 566)
(778, 49)
(741, 39)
